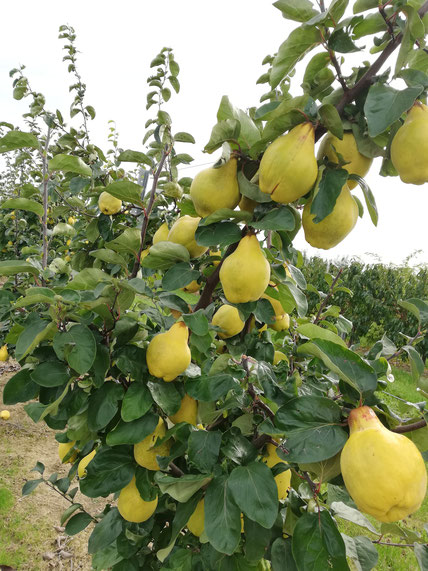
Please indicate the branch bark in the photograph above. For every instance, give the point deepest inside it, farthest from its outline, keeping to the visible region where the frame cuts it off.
(410, 427)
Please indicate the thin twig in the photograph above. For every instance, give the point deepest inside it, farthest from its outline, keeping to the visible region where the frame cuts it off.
(394, 544)
(401, 350)
(45, 200)
(410, 427)
(81, 508)
(327, 297)
(176, 470)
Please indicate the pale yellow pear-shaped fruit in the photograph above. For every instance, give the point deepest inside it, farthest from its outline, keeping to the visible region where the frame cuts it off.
(245, 274)
(108, 204)
(63, 449)
(336, 226)
(347, 148)
(215, 254)
(215, 188)
(289, 169)
(282, 319)
(247, 204)
(4, 355)
(409, 147)
(196, 523)
(383, 471)
(168, 354)
(187, 412)
(283, 479)
(279, 356)
(5, 415)
(161, 234)
(145, 452)
(228, 319)
(81, 468)
(183, 232)
(131, 505)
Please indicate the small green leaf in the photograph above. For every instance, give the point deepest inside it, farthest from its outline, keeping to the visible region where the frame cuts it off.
(197, 322)
(165, 254)
(14, 267)
(69, 163)
(110, 470)
(103, 405)
(66, 514)
(329, 188)
(50, 374)
(14, 140)
(222, 518)
(23, 204)
(178, 276)
(331, 120)
(137, 402)
(30, 486)
(77, 346)
(277, 219)
(77, 523)
(183, 488)
(297, 10)
(165, 395)
(105, 531)
(20, 388)
(203, 449)
(218, 234)
(125, 190)
(211, 388)
(341, 42)
(129, 156)
(132, 432)
(224, 131)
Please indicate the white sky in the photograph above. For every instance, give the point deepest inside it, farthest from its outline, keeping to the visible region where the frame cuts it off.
(219, 47)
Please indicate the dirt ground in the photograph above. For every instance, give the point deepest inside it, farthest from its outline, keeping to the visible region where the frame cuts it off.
(34, 539)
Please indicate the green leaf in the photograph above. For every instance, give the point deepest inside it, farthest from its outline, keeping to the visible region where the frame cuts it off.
(277, 219)
(249, 133)
(222, 516)
(183, 137)
(125, 190)
(137, 402)
(418, 307)
(69, 512)
(63, 229)
(282, 556)
(14, 140)
(69, 163)
(301, 41)
(297, 10)
(30, 486)
(312, 331)
(197, 322)
(348, 365)
(254, 490)
(317, 544)
(23, 204)
(77, 346)
(421, 554)
(312, 425)
(329, 188)
(20, 388)
(14, 267)
(211, 388)
(36, 330)
(385, 105)
(416, 363)
(331, 120)
(178, 276)
(110, 470)
(77, 523)
(132, 432)
(183, 488)
(368, 197)
(109, 256)
(182, 515)
(50, 374)
(257, 540)
(165, 254)
(225, 213)
(106, 531)
(251, 190)
(129, 156)
(341, 42)
(340, 509)
(363, 5)
(103, 405)
(88, 279)
(129, 241)
(371, 24)
(361, 551)
(203, 449)
(218, 234)
(224, 131)
(165, 395)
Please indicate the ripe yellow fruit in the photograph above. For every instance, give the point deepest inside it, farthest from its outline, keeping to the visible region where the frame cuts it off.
(215, 188)
(5, 415)
(71, 220)
(4, 355)
(144, 254)
(183, 232)
(245, 274)
(282, 319)
(145, 453)
(336, 226)
(196, 524)
(383, 471)
(64, 449)
(161, 234)
(10, 243)
(347, 148)
(228, 319)
(409, 147)
(68, 242)
(187, 412)
(131, 505)
(284, 478)
(192, 287)
(81, 468)
(289, 168)
(279, 356)
(215, 254)
(108, 204)
(168, 354)
(247, 204)
(67, 258)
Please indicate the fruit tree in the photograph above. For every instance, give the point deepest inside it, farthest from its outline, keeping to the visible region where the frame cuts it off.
(162, 326)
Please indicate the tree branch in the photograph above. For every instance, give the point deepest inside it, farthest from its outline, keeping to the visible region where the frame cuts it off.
(327, 297)
(410, 427)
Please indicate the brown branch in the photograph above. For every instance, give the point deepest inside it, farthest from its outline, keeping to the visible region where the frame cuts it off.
(336, 65)
(410, 427)
(175, 470)
(147, 212)
(81, 508)
(401, 350)
(387, 21)
(394, 544)
(327, 297)
(259, 403)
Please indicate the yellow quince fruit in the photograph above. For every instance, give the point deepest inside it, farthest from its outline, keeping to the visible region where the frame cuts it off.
(168, 354)
(161, 234)
(347, 148)
(145, 452)
(4, 355)
(187, 412)
(196, 523)
(131, 505)
(108, 204)
(282, 319)
(81, 468)
(63, 449)
(228, 319)
(192, 287)
(409, 147)
(215, 188)
(334, 227)
(289, 169)
(383, 471)
(71, 220)
(245, 274)
(279, 356)
(183, 232)
(283, 479)
(5, 415)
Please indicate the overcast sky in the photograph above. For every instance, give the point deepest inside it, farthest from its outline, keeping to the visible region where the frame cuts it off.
(219, 46)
